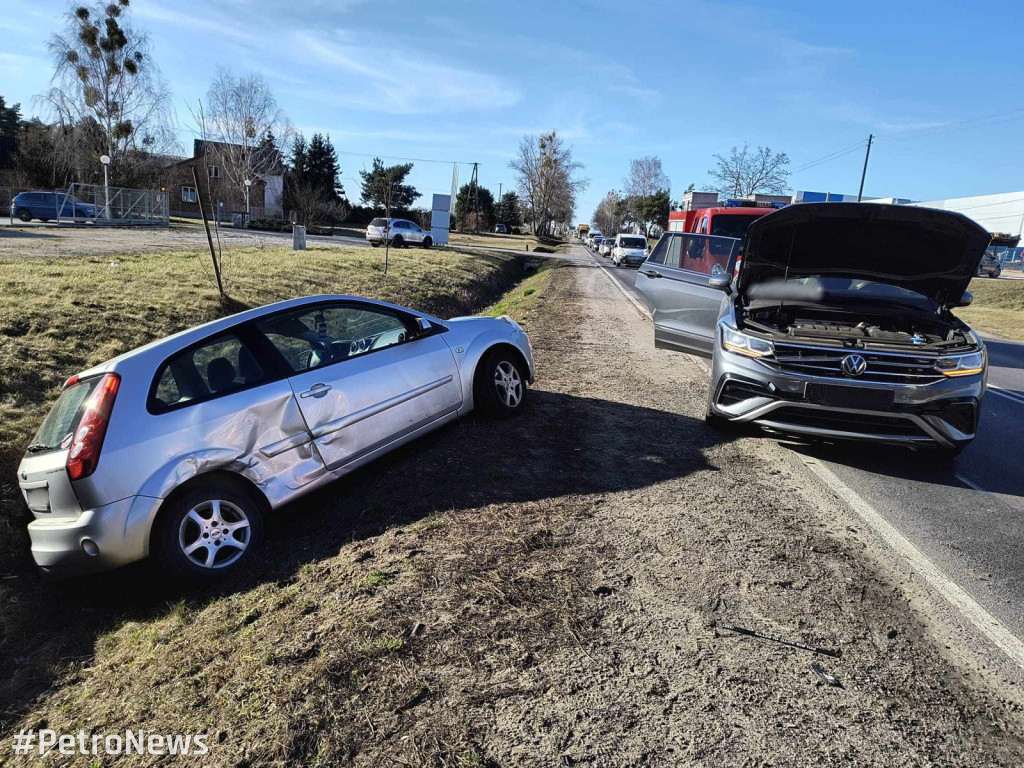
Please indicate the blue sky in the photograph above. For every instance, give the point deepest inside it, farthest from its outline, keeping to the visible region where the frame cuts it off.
(682, 80)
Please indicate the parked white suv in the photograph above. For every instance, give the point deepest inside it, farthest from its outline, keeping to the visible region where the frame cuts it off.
(398, 232)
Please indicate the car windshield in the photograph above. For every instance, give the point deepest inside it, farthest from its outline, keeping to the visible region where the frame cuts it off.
(633, 242)
(727, 225)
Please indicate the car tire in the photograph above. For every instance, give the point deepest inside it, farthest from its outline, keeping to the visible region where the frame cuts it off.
(397, 242)
(180, 533)
(997, 273)
(24, 214)
(375, 244)
(427, 242)
(499, 384)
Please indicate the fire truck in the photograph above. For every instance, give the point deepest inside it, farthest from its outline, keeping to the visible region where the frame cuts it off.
(728, 219)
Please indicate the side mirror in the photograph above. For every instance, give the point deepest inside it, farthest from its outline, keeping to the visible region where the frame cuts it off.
(721, 281)
(423, 325)
(965, 300)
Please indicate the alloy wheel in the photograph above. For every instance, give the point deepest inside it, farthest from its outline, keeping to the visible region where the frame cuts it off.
(214, 534)
(509, 384)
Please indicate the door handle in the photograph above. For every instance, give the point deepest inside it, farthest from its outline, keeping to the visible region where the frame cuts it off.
(650, 273)
(317, 390)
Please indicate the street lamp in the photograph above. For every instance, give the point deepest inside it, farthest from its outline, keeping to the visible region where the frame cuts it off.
(105, 159)
(248, 183)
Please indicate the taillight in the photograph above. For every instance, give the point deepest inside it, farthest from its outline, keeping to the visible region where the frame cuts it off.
(71, 382)
(84, 453)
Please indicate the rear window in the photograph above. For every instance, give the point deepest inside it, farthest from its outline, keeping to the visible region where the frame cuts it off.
(221, 366)
(378, 222)
(633, 242)
(63, 417)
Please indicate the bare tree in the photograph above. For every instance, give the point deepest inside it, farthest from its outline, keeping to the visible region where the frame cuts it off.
(548, 180)
(610, 214)
(243, 128)
(745, 172)
(647, 189)
(104, 75)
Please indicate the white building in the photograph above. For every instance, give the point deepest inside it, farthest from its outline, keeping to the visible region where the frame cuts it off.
(1003, 212)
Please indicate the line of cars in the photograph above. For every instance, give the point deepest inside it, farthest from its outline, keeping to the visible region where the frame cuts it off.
(624, 250)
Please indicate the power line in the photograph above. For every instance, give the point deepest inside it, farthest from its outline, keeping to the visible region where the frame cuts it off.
(830, 157)
(1017, 114)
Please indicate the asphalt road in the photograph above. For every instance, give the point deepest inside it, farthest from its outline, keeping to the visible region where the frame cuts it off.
(966, 517)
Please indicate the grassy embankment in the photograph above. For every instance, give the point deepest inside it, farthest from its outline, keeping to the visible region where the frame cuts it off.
(58, 317)
(998, 307)
(268, 665)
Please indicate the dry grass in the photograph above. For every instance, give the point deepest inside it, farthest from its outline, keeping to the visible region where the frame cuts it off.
(523, 242)
(998, 307)
(348, 636)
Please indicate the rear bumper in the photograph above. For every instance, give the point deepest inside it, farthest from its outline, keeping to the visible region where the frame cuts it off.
(118, 533)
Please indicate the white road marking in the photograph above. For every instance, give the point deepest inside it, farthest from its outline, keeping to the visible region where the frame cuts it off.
(954, 594)
(1007, 393)
(640, 307)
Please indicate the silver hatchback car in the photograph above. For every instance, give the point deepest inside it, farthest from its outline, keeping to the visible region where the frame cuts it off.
(837, 325)
(178, 448)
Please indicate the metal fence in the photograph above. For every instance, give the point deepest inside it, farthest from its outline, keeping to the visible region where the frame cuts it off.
(117, 206)
(82, 203)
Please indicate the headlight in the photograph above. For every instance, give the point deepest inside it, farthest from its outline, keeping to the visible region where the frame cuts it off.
(961, 365)
(741, 344)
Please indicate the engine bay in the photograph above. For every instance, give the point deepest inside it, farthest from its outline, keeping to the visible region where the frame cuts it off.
(858, 328)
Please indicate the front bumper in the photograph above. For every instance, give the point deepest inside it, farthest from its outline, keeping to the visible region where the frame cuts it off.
(943, 413)
(98, 539)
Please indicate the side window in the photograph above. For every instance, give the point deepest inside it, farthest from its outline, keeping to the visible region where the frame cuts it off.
(658, 254)
(325, 334)
(219, 367)
(673, 251)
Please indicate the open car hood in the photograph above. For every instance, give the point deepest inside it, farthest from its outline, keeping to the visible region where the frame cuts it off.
(931, 252)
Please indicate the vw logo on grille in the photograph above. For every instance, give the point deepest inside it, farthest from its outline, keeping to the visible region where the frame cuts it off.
(854, 365)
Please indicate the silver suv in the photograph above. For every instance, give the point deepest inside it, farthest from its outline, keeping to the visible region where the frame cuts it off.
(178, 449)
(398, 232)
(837, 325)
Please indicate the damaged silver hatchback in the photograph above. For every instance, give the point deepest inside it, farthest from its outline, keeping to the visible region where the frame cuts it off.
(177, 449)
(838, 324)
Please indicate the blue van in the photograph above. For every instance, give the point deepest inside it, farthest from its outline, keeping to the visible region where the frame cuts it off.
(43, 206)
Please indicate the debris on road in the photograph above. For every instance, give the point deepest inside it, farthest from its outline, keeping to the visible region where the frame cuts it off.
(792, 643)
(825, 677)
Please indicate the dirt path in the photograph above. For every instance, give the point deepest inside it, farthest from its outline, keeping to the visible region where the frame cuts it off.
(540, 592)
(724, 537)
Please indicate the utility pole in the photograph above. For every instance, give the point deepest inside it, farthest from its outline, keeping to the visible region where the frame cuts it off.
(867, 154)
(474, 186)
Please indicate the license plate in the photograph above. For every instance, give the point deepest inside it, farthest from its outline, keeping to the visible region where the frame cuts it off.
(850, 397)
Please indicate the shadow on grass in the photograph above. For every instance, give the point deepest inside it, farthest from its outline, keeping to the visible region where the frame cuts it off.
(562, 445)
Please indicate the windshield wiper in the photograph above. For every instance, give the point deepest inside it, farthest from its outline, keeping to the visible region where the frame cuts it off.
(38, 447)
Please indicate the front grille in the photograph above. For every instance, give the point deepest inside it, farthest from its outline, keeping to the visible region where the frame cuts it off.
(857, 423)
(889, 368)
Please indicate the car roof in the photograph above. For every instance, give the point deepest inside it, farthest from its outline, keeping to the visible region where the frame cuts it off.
(162, 348)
